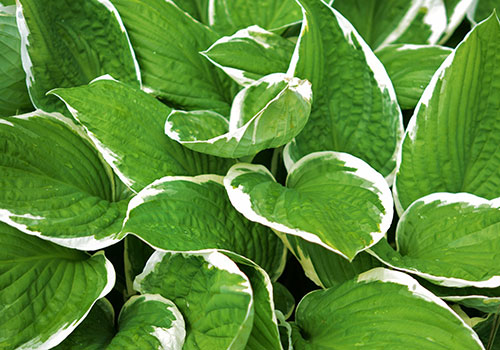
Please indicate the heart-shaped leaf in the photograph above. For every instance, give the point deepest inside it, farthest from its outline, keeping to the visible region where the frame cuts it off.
(450, 239)
(451, 144)
(46, 290)
(355, 108)
(69, 43)
(332, 199)
(54, 185)
(266, 114)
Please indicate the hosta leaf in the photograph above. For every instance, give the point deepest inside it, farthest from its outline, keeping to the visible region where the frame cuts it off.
(54, 185)
(146, 322)
(126, 125)
(184, 214)
(135, 255)
(324, 267)
(266, 114)
(451, 144)
(331, 199)
(45, 290)
(380, 309)
(213, 295)
(285, 330)
(250, 54)
(455, 11)
(354, 108)
(198, 9)
(481, 9)
(69, 43)
(14, 96)
(228, 16)
(283, 300)
(411, 68)
(383, 22)
(167, 42)
(450, 239)
(485, 330)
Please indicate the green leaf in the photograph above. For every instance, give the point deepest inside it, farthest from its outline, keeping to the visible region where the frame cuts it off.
(411, 68)
(455, 12)
(198, 9)
(54, 185)
(126, 125)
(46, 290)
(283, 300)
(193, 213)
(481, 9)
(451, 144)
(146, 322)
(213, 295)
(331, 199)
(135, 255)
(383, 22)
(96, 330)
(167, 42)
(484, 331)
(324, 267)
(354, 108)
(226, 17)
(266, 114)
(381, 309)
(69, 43)
(449, 239)
(250, 54)
(14, 98)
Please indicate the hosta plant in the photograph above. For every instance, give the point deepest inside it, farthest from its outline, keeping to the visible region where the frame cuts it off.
(178, 174)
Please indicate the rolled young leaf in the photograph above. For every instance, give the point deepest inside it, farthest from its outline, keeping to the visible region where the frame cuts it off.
(126, 125)
(455, 12)
(411, 68)
(192, 213)
(380, 309)
(54, 185)
(355, 108)
(211, 292)
(250, 54)
(266, 114)
(331, 199)
(451, 144)
(450, 239)
(69, 43)
(167, 42)
(46, 290)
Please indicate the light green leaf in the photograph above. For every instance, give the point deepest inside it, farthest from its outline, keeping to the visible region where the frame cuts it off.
(45, 290)
(381, 309)
(54, 185)
(126, 125)
(354, 108)
(250, 54)
(383, 22)
(324, 267)
(198, 9)
(69, 43)
(146, 322)
(14, 98)
(481, 9)
(193, 213)
(451, 144)
(228, 16)
(283, 300)
(213, 295)
(331, 199)
(167, 42)
(266, 114)
(411, 68)
(449, 239)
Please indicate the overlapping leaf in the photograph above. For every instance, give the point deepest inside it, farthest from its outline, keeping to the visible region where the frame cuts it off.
(213, 295)
(455, 12)
(250, 54)
(354, 108)
(69, 43)
(411, 68)
(45, 290)
(126, 125)
(380, 309)
(167, 42)
(481, 9)
(54, 185)
(451, 144)
(183, 214)
(450, 239)
(331, 199)
(266, 114)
